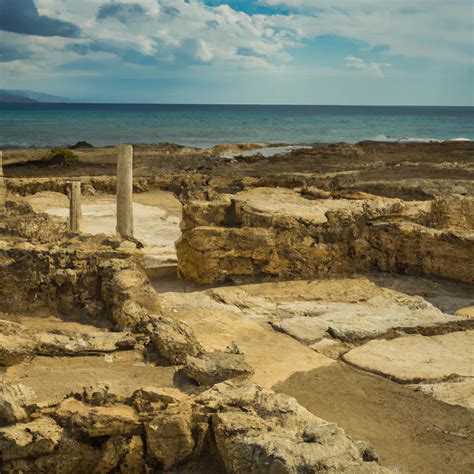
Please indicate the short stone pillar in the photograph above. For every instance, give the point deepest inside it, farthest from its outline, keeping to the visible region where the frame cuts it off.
(3, 188)
(125, 191)
(75, 212)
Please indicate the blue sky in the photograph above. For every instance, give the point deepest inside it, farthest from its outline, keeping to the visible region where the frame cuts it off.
(371, 52)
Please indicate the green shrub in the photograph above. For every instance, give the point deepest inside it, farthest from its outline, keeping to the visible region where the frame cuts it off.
(61, 156)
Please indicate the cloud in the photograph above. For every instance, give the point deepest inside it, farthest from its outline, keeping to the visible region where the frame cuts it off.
(374, 68)
(123, 12)
(21, 16)
(177, 31)
(232, 41)
(432, 29)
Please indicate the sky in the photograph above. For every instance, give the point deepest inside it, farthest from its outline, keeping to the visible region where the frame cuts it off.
(347, 52)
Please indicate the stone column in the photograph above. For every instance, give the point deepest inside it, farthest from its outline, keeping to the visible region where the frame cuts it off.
(75, 213)
(3, 188)
(125, 191)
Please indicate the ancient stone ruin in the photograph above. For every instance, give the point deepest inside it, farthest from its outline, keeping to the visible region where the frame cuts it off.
(306, 321)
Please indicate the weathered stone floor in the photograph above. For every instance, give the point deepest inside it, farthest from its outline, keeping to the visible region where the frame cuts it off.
(370, 322)
(414, 359)
(353, 317)
(412, 432)
(157, 217)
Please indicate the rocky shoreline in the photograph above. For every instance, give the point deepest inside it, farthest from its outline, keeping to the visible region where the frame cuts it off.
(356, 260)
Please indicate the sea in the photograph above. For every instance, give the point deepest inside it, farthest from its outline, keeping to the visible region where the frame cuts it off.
(50, 125)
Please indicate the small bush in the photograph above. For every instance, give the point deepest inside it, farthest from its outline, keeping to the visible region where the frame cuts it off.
(61, 157)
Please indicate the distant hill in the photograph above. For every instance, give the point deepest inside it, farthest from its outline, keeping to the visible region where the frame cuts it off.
(16, 99)
(28, 97)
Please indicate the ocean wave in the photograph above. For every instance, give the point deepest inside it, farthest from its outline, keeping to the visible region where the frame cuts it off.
(394, 139)
(460, 139)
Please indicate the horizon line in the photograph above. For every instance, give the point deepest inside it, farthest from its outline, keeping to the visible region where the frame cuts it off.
(74, 102)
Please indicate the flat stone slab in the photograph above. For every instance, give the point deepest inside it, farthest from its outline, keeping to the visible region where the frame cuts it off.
(273, 356)
(385, 314)
(455, 393)
(287, 202)
(156, 219)
(417, 359)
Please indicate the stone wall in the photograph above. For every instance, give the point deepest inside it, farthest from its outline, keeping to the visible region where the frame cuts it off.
(104, 184)
(236, 240)
(453, 212)
(102, 283)
(44, 268)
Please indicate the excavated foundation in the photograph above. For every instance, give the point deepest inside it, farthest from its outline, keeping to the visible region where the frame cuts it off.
(300, 285)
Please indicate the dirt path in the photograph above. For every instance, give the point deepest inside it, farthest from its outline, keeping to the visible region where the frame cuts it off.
(409, 430)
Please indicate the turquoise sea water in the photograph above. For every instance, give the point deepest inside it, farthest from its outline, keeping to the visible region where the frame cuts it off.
(28, 125)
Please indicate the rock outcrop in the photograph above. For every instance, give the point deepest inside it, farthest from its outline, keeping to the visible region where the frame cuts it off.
(286, 217)
(29, 440)
(282, 234)
(13, 399)
(258, 431)
(247, 428)
(215, 367)
(454, 211)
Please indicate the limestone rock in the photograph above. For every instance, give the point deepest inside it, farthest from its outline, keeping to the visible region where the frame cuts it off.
(126, 454)
(14, 350)
(32, 439)
(281, 234)
(215, 367)
(101, 395)
(467, 312)
(174, 340)
(418, 358)
(149, 398)
(86, 343)
(98, 421)
(169, 436)
(70, 457)
(12, 400)
(387, 313)
(248, 445)
(453, 211)
(460, 392)
(330, 347)
(8, 328)
(258, 431)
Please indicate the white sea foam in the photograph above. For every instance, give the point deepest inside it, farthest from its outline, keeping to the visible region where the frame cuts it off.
(392, 139)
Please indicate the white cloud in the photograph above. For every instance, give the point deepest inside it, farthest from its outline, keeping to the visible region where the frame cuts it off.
(170, 30)
(185, 38)
(373, 68)
(433, 29)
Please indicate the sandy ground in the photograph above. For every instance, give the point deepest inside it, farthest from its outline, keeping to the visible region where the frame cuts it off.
(157, 215)
(272, 355)
(408, 429)
(52, 378)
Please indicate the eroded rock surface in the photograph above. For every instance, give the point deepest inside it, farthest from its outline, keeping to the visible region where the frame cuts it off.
(29, 440)
(460, 392)
(286, 234)
(215, 367)
(418, 358)
(258, 431)
(137, 400)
